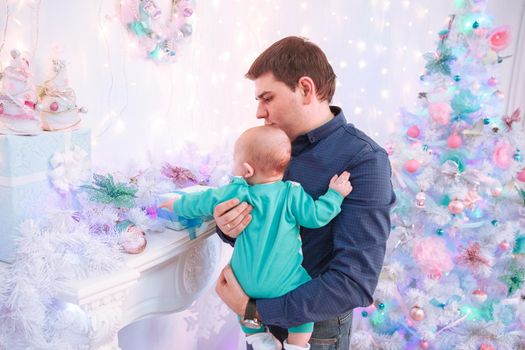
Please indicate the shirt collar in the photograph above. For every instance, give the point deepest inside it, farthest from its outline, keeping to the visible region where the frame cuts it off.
(321, 132)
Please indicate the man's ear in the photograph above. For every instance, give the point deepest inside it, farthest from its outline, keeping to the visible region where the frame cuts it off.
(306, 87)
(248, 170)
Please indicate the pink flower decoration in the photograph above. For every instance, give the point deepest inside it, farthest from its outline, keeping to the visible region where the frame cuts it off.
(182, 177)
(432, 256)
(440, 112)
(502, 156)
(499, 38)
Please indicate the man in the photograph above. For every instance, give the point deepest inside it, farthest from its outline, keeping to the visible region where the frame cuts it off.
(294, 85)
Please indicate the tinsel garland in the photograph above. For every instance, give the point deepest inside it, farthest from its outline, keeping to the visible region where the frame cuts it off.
(53, 251)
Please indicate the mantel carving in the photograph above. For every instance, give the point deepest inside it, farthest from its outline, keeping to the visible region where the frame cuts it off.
(167, 277)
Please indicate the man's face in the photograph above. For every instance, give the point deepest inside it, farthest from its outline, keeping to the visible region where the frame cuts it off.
(278, 105)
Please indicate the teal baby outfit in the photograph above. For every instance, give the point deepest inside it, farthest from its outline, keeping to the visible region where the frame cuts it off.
(267, 256)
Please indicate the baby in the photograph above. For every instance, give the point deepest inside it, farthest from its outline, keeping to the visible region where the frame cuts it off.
(267, 256)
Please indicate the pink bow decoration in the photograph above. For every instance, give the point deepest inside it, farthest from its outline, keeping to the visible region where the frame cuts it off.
(514, 117)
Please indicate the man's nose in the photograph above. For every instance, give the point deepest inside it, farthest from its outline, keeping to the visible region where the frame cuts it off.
(261, 112)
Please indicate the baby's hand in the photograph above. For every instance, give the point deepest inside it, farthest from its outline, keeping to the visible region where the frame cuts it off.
(169, 203)
(341, 184)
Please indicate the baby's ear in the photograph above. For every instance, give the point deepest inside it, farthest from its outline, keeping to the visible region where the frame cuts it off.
(248, 170)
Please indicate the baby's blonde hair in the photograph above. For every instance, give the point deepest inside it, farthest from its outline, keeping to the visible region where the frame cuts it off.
(266, 148)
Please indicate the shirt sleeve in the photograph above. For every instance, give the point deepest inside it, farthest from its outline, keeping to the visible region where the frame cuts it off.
(201, 204)
(360, 233)
(312, 213)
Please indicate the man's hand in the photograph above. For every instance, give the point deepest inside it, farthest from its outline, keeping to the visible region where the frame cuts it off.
(341, 184)
(232, 217)
(231, 292)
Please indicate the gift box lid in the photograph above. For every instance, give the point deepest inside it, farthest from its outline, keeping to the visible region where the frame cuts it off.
(27, 155)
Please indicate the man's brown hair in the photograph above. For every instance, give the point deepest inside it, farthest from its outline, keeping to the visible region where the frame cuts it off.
(294, 57)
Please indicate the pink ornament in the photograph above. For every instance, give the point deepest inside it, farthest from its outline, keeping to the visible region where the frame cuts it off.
(479, 295)
(30, 104)
(440, 112)
(53, 106)
(504, 246)
(499, 38)
(424, 344)
(502, 156)
(132, 240)
(454, 141)
(187, 12)
(413, 131)
(492, 81)
(485, 346)
(456, 206)
(521, 175)
(411, 165)
(480, 32)
(417, 313)
(432, 256)
(390, 150)
(496, 191)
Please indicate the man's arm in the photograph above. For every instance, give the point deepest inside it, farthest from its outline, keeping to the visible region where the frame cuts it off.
(360, 233)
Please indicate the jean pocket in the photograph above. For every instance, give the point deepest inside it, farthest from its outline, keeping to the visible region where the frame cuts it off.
(323, 343)
(345, 318)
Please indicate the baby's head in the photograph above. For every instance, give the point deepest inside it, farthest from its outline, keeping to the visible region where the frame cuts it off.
(261, 153)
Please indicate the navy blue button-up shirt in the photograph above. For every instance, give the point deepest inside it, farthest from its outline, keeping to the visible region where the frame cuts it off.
(345, 257)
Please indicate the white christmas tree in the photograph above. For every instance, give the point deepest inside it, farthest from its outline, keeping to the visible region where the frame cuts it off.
(57, 101)
(455, 266)
(18, 99)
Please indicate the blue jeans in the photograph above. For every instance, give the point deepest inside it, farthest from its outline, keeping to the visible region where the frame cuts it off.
(331, 334)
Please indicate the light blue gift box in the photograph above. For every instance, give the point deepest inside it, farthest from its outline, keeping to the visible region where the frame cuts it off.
(171, 220)
(25, 188)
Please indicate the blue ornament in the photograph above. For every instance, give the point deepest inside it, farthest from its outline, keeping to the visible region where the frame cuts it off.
(439, 232)
(495, 223)
(381, 306)
(457, 157)
(138, 28)
(157, 53)
(477, 213)
(519, 247)
(364, 314)
(457, 77)
(486, 121)
(517, 156)
(186, 29)
(475, 25)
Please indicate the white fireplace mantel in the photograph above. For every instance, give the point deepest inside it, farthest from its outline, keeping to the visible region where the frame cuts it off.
(167, 277)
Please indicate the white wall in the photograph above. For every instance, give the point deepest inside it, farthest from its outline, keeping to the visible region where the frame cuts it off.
(138, 107)
(140, 110)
